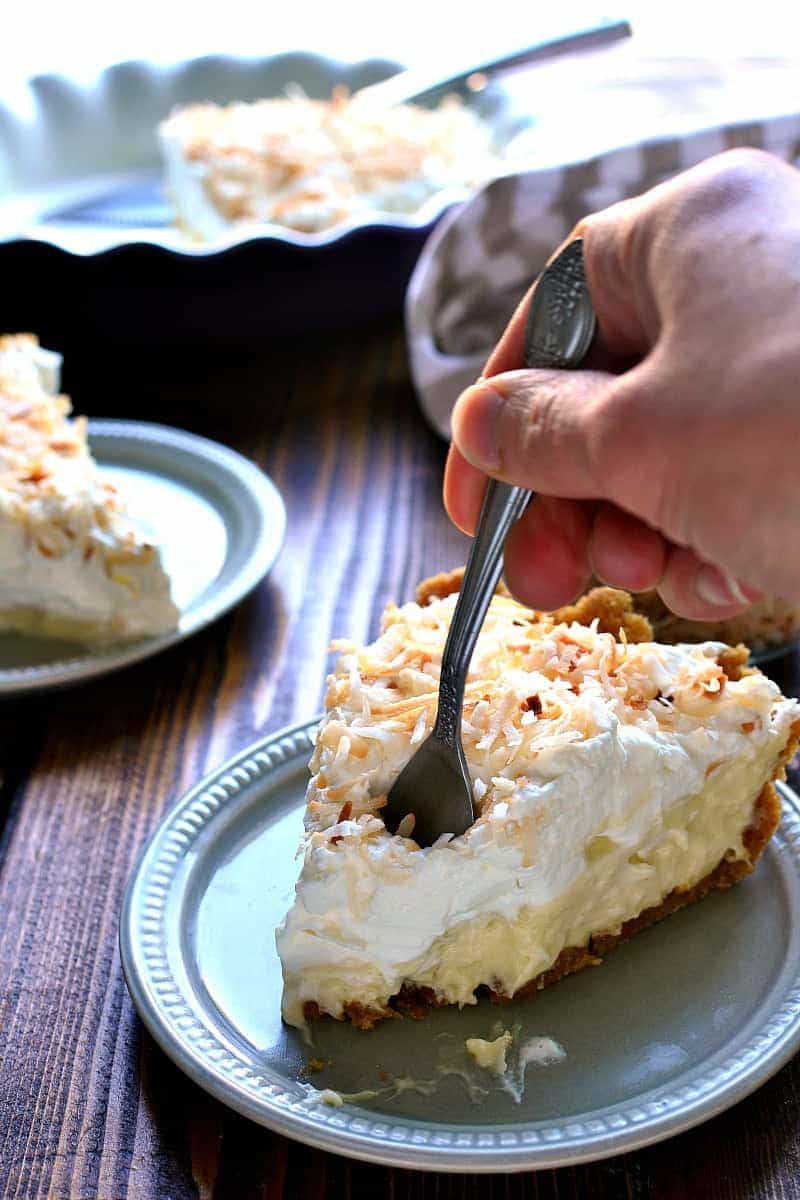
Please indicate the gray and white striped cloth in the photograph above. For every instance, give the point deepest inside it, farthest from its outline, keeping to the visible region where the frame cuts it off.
(480, 260)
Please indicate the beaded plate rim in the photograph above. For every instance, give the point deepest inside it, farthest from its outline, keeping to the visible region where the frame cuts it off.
(283, 1105)
(260, 512)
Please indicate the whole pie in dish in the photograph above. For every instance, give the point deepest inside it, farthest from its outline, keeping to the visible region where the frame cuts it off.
(614, 781)
(73, 562)
(312, 164)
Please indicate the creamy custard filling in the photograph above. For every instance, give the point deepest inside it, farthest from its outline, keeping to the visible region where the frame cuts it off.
(605, 776)
(78, 598)
(100, 629)
(73, 561)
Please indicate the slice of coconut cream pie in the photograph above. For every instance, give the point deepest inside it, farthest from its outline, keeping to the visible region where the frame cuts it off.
(73, 563)
(614, 782)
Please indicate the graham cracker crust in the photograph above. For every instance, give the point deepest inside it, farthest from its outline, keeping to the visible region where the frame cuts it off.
(613, 609)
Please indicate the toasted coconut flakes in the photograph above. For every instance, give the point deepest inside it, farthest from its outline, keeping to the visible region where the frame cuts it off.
(406, 826)
(419, 728)
(45, 463)
(488, 740)
(343, 749)
(308, 163)
(571, 683)
(512, 734)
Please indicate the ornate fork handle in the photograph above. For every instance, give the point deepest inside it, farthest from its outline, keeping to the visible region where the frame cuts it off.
(503, 505)
(558, 333)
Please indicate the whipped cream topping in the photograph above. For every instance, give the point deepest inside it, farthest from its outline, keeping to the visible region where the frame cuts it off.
(309, 164)
(68, 546)
(587, 757)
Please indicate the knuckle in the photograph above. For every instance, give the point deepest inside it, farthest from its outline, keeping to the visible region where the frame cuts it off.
(739, 173)
(742, 165)
(727, 181)
(614, 414)
(530, 417)
(627, 443)
(546, 423)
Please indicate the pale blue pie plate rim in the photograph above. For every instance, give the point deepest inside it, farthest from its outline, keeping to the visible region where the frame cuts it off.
(219, 520)
(684, 1021)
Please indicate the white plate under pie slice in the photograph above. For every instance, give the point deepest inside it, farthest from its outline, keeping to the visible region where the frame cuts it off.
(218, 519)
(678, 1025)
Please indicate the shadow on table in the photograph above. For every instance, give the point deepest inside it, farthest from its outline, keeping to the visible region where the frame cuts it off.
(748, 1152)
(141, 735)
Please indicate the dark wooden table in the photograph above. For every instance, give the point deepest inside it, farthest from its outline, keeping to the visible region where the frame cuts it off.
(89, 1107)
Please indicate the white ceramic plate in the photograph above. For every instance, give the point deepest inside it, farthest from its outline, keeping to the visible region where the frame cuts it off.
(684, 1021)
(219, 520)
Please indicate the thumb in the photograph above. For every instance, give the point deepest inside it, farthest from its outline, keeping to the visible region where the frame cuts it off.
(537, 429)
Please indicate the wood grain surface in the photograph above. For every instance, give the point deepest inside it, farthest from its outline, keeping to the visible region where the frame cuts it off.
(89, 1107)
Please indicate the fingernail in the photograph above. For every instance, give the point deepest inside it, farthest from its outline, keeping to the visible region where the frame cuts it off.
(717, 587)
(476, 420)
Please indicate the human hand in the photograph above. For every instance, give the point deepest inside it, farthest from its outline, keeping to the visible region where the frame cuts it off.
(671, 461)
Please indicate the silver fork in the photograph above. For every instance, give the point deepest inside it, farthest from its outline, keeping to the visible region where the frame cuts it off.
(435, 785)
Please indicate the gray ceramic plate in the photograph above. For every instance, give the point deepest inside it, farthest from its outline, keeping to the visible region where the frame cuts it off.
(176, 482)
(684, 1021)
